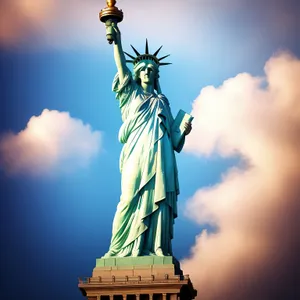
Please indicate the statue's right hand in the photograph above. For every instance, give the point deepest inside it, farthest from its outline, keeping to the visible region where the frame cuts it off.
(117, 33)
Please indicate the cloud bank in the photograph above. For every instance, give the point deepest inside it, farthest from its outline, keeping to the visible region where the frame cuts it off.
(36, 24)
(51, 142)
(254, 253)
(73, 23)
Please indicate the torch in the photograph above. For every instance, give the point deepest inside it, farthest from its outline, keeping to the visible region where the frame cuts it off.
(108, 15)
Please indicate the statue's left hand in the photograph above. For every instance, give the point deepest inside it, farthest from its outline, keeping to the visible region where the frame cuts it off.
(187, 128)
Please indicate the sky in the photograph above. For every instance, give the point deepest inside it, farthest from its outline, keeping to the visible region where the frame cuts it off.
(235, 68)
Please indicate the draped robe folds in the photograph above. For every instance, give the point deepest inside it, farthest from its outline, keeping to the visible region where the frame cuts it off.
(144, 219)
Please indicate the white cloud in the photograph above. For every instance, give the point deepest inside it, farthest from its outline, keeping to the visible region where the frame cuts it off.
(73, 23)
(37, 24)
(186, 24)
(255, 208)
(52, 141)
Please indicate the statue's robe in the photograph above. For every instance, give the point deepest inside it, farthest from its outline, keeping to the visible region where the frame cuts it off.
(144, 219)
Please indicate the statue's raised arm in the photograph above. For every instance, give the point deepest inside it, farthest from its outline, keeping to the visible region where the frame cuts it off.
(118, 51)
(111, 15)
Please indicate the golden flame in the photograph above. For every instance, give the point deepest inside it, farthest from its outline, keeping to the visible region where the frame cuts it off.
(110, 3)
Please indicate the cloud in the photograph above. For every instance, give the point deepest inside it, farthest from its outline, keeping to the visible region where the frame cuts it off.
(62, 24)
(52, 141)
(254, 251)
(200, 26)
(36, 24)
(19, 19)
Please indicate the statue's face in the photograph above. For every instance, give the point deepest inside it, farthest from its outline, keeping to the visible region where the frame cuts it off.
(148, 73)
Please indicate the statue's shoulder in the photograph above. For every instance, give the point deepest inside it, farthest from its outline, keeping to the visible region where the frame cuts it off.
(126, 85)
(163, 98)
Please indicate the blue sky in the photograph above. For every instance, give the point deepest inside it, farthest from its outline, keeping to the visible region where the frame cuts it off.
(57, 209)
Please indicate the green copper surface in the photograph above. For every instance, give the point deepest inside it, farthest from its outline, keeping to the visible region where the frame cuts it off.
(143, 223)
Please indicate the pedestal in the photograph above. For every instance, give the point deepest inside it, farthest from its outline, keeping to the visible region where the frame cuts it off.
(137, 278)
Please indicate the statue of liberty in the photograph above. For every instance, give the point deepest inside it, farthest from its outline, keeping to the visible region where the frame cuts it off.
(143, 223)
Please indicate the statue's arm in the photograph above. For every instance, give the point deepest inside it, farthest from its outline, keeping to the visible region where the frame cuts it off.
(119, 53)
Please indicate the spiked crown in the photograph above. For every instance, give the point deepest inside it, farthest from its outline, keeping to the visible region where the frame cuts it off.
(146, 56)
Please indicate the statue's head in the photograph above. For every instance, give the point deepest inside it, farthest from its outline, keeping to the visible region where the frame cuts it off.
(144, 63)
(146, 71)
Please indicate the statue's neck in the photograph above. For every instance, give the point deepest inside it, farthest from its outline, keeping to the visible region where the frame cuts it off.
(147, 88)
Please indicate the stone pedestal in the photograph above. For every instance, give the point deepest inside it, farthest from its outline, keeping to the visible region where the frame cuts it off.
(137, 278)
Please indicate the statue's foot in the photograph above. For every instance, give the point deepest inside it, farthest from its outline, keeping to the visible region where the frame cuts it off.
(159, 252)
(146, 252)
(134, 254)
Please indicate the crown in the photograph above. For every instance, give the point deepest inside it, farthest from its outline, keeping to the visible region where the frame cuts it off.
(146, 56)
